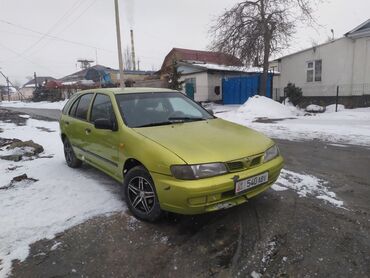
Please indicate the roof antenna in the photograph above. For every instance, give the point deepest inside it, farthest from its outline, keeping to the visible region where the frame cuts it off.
(332, 32)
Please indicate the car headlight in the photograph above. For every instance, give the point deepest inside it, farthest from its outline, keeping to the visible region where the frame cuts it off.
(271, 153)
(199, 171)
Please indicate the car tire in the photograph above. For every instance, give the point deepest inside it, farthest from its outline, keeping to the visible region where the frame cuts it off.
(140, 194)
(69, 154)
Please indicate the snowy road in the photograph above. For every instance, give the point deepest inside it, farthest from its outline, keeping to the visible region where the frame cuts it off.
(296, 230)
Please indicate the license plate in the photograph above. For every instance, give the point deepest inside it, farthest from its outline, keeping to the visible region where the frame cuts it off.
(246, 184)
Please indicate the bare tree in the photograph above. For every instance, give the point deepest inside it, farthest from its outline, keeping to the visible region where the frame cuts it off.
(254, 30)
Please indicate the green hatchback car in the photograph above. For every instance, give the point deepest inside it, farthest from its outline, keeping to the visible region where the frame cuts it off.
(169, 153)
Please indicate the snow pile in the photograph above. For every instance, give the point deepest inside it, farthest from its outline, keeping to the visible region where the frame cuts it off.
(348, 126)
(331, 108)
(315, 108)
(61, 198)
(263, 107)
(41, 105)
(306, 186)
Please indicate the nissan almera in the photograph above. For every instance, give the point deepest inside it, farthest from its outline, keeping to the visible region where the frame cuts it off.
(169, 153)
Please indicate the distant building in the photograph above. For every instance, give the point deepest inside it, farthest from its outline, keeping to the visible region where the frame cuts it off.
(203, 72)
(318, 70)
(7, 93)
(29, 87)
(99, 75)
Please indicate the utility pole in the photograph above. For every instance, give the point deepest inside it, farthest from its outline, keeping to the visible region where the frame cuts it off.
(34, 76)
(119, 47)
(7, 84)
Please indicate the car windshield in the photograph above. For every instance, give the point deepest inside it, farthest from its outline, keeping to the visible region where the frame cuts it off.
(154, 109)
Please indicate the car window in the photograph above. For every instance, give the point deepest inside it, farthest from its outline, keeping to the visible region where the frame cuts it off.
(69, 103)
(150, 109)
(83, 106)
(180, 104)
(72, 111)
(102, 108)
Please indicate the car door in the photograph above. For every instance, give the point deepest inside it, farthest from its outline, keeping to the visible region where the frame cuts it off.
(104, 143)
(78, 128)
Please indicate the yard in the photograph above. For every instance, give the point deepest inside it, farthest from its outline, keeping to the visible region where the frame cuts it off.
(313, 222)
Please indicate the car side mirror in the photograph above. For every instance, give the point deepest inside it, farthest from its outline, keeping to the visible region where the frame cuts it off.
(104, 124)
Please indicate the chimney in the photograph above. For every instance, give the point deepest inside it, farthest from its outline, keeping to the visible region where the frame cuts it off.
(133, 49)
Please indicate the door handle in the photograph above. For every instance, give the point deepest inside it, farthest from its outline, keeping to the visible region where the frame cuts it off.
(87, 130)
(66, 122)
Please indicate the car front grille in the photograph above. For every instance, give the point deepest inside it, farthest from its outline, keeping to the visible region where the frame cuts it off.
(235, 166)
(244, 163)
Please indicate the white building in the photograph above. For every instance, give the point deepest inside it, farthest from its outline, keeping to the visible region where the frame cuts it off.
(343, 62)
(203, 71)
(206, 79)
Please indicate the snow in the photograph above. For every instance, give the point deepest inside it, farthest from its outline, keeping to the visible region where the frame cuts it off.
(306, 186)
(16, 151)
(42, 104)
(61, 198)
(263, 107)
(228, 68)
(348, 126)
(55, 246)
(315, 108)
(255, 274)
(331, 108)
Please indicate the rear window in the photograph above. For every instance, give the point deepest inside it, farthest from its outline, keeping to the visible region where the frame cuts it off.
(83, 106)
(72, 111)
(69, 104)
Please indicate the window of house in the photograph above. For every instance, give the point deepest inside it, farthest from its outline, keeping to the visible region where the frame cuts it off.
(318, 70)
(314, 71)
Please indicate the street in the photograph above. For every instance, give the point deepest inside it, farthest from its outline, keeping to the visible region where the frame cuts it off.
(277, 234)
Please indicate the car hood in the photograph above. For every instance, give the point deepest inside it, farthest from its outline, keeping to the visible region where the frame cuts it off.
(213, 140)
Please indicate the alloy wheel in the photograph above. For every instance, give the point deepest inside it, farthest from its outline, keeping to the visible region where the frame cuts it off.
(141, 194)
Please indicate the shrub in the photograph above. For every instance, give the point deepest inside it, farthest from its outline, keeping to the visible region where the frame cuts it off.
(293, 93)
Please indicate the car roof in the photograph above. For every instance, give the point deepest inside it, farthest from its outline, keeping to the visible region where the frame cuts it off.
(130, 90)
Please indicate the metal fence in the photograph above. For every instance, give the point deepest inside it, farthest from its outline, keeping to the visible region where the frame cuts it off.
(344, 90)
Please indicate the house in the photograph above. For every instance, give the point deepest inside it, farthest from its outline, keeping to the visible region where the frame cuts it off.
(8, 93)
(342, 64)
(203, 72)
(28, 88)
(99, 75)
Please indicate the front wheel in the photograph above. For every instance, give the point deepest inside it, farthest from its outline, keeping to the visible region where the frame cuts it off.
(69, 154)
(140, 194)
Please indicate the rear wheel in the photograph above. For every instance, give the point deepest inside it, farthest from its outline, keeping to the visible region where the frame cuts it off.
(69, 154)
(140, 194)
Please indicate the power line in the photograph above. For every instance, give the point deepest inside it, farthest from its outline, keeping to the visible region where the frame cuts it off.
(54, 37)
(64, 16)
(25, 58)
(78, 17)
(66, 27)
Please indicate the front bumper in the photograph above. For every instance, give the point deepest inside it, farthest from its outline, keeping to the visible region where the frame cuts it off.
(211, 194)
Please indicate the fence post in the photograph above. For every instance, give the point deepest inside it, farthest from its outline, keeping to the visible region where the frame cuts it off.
(277, 99)
(284, 97)
(336, 100)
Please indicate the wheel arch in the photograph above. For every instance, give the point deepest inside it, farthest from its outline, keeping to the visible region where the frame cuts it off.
(131, 163)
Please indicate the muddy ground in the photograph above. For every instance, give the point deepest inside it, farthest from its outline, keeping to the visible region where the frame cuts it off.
(277, 234)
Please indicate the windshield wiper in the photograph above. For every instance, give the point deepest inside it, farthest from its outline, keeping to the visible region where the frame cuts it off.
(156, 124)
(174, 120)
(185, 119)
